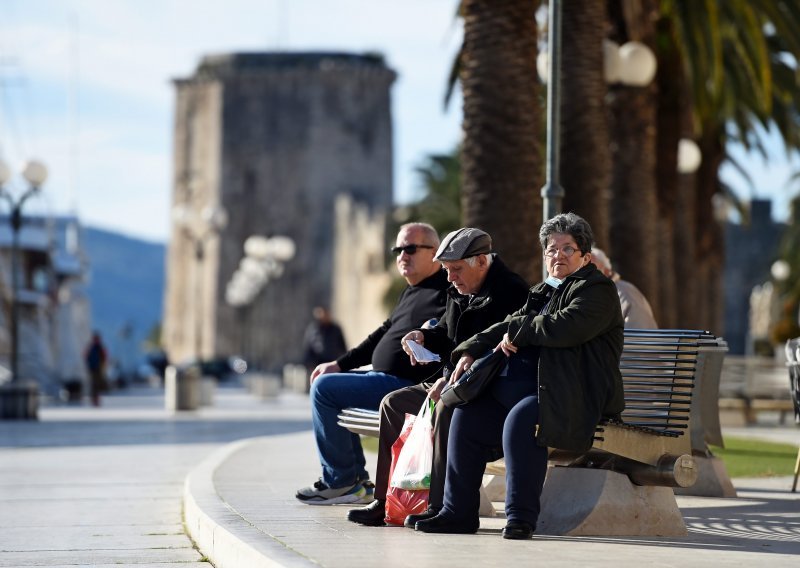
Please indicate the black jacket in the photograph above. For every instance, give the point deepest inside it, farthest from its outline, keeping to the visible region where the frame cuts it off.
(382, 348)
(502, 292)
(580, 342)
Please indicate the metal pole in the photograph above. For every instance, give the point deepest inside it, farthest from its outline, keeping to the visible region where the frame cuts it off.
(552, 192)
(16, 221)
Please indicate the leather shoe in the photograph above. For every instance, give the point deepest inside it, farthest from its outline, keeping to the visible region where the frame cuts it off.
(372, 515)
(412, 520)
(517, 530)
(443, 525)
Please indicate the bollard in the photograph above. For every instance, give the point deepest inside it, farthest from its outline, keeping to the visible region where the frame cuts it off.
(181, 388)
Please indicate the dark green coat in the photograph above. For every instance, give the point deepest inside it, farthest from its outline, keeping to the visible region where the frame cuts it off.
(580, 341)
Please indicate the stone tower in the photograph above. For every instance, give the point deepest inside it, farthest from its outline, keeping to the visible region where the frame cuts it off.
(273, 138)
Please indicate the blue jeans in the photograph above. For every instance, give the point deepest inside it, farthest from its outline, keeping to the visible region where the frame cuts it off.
(340, 451)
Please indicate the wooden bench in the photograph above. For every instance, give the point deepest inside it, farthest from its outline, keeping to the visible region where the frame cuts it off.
(752, 385)
(650, 447)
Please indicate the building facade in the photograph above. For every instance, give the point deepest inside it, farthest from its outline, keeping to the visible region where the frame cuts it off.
(273, 139)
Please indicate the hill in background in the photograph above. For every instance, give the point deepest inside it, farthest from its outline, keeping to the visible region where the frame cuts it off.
(126, 290)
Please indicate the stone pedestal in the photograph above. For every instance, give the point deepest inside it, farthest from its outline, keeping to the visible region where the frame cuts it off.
(595, 502)
(19, 401)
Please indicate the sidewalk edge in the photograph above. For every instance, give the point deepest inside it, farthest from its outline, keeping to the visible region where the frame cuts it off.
(222, 534)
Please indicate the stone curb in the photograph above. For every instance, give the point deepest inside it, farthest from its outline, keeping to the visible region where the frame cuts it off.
(220, 532)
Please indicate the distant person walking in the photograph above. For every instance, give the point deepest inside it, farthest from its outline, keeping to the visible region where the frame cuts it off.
(323, 340)
(96, 358)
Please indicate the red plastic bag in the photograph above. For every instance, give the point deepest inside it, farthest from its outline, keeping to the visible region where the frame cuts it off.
(411, 456)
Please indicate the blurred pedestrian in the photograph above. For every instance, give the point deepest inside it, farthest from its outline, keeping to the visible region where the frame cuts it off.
(323, 340)
(96, 359)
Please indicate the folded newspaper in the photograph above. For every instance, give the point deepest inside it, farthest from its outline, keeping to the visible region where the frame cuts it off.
(421, 354)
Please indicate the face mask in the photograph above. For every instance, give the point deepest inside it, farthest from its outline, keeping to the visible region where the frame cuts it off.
(553, 281)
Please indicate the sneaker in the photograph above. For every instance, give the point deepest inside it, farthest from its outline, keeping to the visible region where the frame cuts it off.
(321, 494)
(369, 491)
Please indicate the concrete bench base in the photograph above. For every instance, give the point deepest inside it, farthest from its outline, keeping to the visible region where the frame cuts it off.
(596, 502)
(712, 479)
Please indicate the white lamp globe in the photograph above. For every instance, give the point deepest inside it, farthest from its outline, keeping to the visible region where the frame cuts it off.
(637, 64)
(283, 248)
(35, 172)
(611, 61)
(543, 66)
(689, 156)
(780, 270)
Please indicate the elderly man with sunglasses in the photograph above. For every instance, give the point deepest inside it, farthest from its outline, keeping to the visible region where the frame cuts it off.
(334, 386)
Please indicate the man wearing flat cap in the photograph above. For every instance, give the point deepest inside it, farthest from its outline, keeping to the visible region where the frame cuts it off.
(483, 292)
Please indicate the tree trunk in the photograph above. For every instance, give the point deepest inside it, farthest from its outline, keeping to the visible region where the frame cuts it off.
(585, 149)
(669, 119)
(710, 239)
(501, 158)
(634, 219)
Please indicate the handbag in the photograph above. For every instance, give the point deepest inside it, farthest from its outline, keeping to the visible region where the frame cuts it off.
(475, 380)
(478, 377)
(410, 473)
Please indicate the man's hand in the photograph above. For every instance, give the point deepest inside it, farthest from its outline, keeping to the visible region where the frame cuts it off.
(463, 364)
(412, 336)
(435, 392)
(506, 346)
(324, 369)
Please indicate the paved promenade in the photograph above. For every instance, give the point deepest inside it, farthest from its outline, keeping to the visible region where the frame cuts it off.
(106, 487)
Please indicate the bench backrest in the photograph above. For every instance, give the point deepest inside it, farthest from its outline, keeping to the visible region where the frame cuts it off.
(659, 368)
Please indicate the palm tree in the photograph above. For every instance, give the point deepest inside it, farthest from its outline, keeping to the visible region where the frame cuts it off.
(634, 217)
(501, 158)
(585, 150)
(742, 79)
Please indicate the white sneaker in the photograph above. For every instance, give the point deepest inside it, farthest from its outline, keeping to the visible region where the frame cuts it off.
(321, 494)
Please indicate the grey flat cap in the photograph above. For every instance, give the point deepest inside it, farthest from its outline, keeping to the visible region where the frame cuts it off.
(464, 243)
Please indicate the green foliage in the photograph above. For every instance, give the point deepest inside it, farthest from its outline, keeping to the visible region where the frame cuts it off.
(756, 458)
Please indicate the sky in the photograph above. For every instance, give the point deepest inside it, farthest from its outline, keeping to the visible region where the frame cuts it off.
(85, 87)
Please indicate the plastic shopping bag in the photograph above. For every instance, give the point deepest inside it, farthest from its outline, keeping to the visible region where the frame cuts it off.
(410, 474)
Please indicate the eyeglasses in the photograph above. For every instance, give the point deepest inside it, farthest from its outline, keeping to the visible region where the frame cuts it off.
(409, 249)
(567, 251)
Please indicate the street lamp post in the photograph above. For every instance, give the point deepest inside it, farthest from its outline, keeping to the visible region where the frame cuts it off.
(552, 192)
(198, 232)
(18, 399)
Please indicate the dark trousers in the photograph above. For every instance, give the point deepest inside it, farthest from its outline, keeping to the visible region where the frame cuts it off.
(394, 408)
(477, 431)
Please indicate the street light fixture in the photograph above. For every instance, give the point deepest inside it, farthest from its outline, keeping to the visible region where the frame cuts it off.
(198, 230)
(18, 400)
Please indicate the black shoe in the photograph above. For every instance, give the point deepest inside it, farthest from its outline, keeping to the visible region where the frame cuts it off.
(517, 530)
(412, 520)
(372, 515)
(443, 525)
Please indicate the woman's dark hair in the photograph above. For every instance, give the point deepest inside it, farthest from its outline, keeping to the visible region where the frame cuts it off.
(571, 224)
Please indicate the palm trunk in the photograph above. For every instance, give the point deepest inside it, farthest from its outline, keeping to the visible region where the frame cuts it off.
(585, 149)
(502, 172)
(634, 220)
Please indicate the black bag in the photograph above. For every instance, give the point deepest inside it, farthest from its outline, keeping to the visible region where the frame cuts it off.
(475, 380)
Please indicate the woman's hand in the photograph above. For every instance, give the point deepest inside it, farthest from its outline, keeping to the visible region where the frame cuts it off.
(463, 364)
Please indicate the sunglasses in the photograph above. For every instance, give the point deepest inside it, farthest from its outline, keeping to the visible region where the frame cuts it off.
(409, 249)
